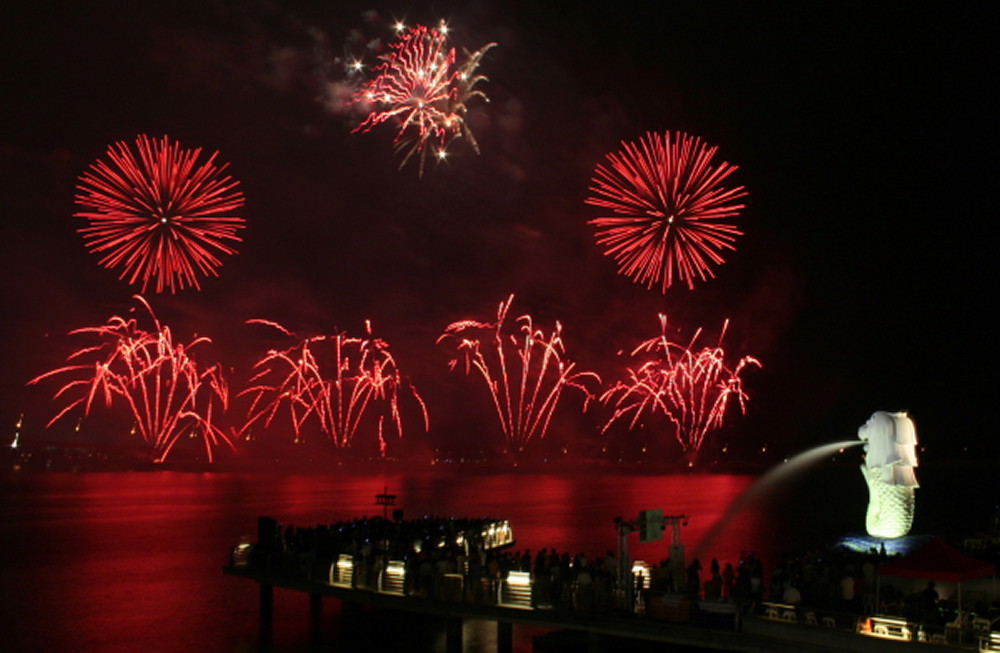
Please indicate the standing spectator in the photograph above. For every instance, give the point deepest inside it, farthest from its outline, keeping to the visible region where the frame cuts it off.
(713, 586)
(847, 590)
(694, 577)
(757, 580)
(929, 604)
(791, 595)
(728, 580)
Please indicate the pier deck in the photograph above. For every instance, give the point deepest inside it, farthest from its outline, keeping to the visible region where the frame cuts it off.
(750, 635)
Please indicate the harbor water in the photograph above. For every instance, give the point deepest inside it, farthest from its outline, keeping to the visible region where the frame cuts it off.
(118, 562)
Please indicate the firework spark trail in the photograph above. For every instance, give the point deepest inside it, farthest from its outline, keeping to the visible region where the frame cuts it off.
(420, 86)
(525, 374)
(364, 373)
(692, 388)
(668, 207)
(166, 390)
(157, 214)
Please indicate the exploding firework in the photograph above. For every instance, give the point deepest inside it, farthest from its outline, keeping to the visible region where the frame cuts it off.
(422, 88)
(668, 207)
(167, 391)
(335, 379)
(525, 371)
(691, 387)
(157, 214)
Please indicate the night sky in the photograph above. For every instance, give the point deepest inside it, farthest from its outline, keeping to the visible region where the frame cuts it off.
(863, 136)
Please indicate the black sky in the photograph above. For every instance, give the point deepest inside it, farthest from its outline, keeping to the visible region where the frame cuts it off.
(863, 135)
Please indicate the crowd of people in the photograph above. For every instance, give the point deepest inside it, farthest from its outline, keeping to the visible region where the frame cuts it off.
(447, 559)
(435, 550)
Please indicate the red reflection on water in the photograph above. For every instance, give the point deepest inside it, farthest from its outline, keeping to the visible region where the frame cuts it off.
(119, 562)
(576, 513)
(109, 562)
(569, 512)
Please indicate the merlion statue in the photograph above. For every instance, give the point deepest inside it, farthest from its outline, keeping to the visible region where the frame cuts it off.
(890, 459)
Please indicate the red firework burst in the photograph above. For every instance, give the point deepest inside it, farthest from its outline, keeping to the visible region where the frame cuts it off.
(691, 387)
(668, 207)
(157, 213)
(525, 373)
(168, 393)
(420, 86)
(335, 379)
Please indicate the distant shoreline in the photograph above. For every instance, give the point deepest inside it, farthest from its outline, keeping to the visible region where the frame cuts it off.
(60, 457)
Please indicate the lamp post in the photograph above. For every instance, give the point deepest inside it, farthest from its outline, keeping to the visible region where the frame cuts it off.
(385, 500)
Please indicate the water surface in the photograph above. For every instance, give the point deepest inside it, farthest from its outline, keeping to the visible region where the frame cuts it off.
(116, 561)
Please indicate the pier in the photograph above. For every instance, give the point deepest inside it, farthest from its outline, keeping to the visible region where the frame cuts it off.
(309, 562)
(752, 634)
